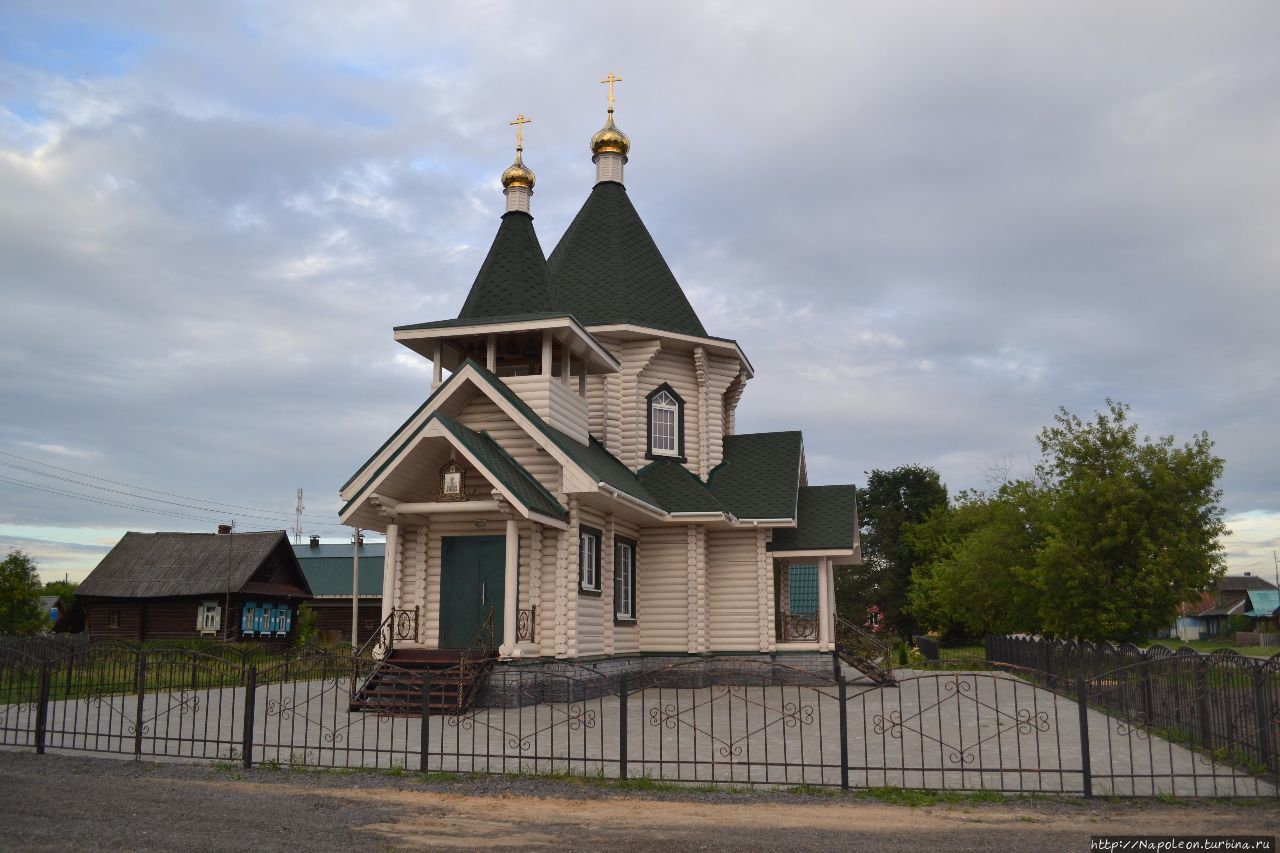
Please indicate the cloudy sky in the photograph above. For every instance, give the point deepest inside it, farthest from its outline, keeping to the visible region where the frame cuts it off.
(928, 224)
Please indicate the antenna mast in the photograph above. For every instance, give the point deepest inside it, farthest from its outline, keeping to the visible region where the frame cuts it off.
(297, 520)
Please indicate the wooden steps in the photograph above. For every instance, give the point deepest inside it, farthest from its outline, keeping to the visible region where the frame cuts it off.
(395, 688)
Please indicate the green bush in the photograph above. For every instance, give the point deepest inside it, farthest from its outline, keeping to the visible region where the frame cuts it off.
(1238, 622)
(305, 631)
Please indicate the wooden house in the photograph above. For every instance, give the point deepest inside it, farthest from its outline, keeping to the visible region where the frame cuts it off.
(328, 569)
(580, 474)
(227, 586)
(1231, 598)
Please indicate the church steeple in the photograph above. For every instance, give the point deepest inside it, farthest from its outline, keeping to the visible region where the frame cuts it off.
(513, 279)
(610, 145)
(518, 179)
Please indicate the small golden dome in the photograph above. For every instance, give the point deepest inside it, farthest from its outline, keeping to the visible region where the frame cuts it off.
(610, 140)
(518, 174)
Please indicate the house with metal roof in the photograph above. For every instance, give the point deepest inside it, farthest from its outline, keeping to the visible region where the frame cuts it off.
(577, 483)
(1233, 598)
(329, 569)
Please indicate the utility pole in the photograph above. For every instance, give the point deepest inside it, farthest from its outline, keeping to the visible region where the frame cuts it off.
(1276, 561)
(355, 589)
(297, 520)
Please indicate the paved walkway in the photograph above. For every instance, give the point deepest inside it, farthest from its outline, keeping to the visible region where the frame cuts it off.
(977, 731)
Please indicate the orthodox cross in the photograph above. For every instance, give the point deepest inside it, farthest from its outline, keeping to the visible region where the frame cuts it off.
(520, 122)
(611, 79)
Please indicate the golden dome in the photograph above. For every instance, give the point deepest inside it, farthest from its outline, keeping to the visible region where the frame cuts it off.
(518, 174)
(610, 140)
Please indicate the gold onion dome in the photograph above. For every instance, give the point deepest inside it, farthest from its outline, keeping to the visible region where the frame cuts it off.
(610, 140)
(518, 174)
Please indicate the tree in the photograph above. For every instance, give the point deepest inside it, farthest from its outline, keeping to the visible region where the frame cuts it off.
(892, 499)
(978, 562)
(1112, 534)
(66, 590)
(1133, 526)
(20, 593)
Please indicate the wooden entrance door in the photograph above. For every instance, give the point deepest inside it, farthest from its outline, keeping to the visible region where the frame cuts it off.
(472, 569)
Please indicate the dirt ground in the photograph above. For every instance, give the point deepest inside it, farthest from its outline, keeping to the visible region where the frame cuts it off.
(71, 802)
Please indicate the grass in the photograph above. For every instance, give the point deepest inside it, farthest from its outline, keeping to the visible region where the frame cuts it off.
(1206, 646)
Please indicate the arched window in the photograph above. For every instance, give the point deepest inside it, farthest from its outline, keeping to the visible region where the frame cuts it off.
(666, 423)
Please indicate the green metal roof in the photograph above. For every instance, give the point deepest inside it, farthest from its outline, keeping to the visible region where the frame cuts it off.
(827, 519)
(510, 473)
(676, 488)
(1265, 603)
(513, 278)
(328, 568)
(606, 269)
(760, 474)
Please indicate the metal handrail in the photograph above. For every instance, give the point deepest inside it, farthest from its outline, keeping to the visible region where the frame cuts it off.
(472, 664)
(861, 643)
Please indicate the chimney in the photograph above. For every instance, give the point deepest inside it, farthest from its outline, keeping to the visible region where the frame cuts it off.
(315, 541)
(224, 529)
(1248, 575)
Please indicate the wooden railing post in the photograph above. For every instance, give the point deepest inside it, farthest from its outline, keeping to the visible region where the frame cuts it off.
(250, 689)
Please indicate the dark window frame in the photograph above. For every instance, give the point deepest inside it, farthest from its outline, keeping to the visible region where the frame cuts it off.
(680, 430)
(598, 536)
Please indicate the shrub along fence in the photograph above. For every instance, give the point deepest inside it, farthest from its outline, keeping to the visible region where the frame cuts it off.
(1015, 729)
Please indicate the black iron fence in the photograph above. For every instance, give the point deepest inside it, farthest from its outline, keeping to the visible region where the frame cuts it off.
(1047, 728)
(1225, 704)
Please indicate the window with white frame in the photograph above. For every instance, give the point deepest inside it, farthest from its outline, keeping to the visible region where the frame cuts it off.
(624, 579)
(209, 617)
(664, 423)
(589, 560)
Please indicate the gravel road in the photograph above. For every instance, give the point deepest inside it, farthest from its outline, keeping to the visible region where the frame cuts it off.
(56, 802)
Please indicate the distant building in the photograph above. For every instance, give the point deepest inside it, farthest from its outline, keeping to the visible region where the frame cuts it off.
(228, 586)
(1231, 599)
(328, 572)
(53, 607)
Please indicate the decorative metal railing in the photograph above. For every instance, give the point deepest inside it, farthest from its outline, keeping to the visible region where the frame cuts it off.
(799, 628)
(863, 650)
(475, 661)
(399, 625)
(526, 625)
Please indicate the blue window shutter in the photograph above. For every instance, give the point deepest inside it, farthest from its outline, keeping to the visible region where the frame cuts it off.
(270, 621)
(246, 618)
(287, 613)
(257, 619)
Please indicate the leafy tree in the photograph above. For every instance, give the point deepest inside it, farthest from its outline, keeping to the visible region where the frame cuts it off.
(891, 501)
(1109, 537)
(20, 593)
(66, 590)
(1133, 526)
(305, 632)
(977, 574)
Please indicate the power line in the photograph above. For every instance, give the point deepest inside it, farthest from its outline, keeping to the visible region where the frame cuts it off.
(147, 509)
(321, 519)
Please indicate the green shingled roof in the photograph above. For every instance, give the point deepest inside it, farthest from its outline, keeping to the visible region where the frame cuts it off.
(827, 519)
(510, 473)
(479, 321)
(760, 474)
(328, 568)
(607, 269)
(676, 488)
(513, 278)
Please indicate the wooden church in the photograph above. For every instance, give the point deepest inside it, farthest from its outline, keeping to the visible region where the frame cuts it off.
(578, 478)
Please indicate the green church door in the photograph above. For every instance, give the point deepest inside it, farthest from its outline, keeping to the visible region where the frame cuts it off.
(472, 569)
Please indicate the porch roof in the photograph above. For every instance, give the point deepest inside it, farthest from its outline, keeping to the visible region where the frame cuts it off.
(827, 519)
(677, 489)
